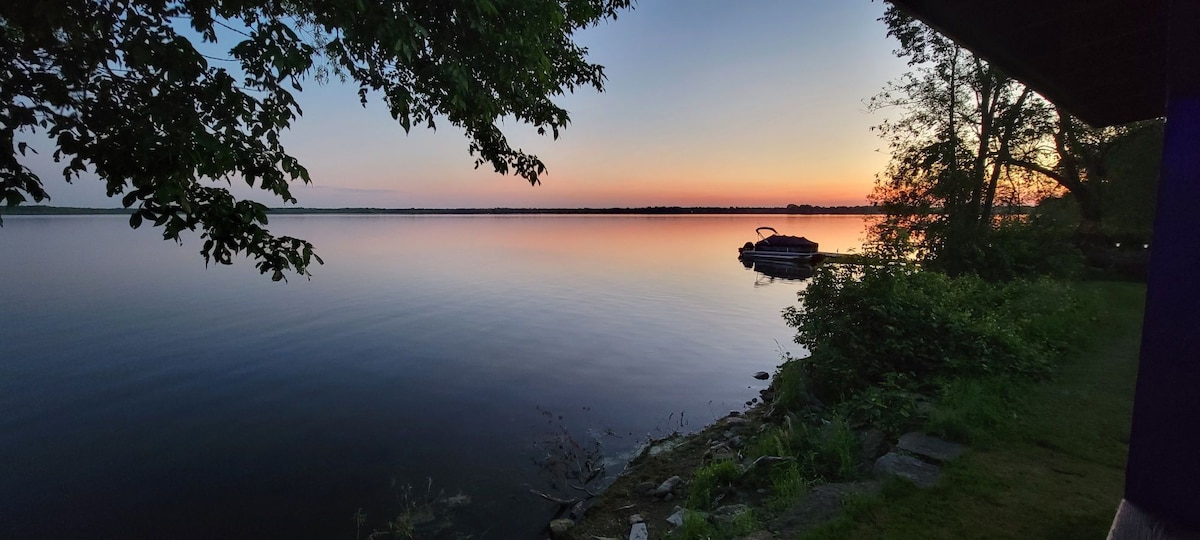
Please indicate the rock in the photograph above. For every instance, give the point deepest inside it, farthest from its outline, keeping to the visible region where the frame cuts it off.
(871, 443)
(930, 447)
(910, 468)
(667, 486)
(422, 514)
(736, 421)
(636, 518)
(762, 375)
(730, 509)
(638, 532)
(457, 501)
(729, 512)
(676, 518)
(577, 510)
(723, 454)
(820, 504)
(758, 535)
(645, 488)
(664, 446)
(560, 529)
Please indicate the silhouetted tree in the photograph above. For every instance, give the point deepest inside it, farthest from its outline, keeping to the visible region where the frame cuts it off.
(1081, 159)
(959, 118)
(969, 139)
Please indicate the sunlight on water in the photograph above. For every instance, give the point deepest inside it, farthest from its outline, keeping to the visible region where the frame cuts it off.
(142, 395)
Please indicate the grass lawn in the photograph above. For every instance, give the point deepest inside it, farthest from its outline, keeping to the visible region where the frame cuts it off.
(1056, 469)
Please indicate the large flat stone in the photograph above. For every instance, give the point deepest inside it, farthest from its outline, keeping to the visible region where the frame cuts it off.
(930, 447)
(910, 468)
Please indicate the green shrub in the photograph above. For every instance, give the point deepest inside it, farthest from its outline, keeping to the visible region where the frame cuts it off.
(866, 326)
(1017, 248)
(888, 406)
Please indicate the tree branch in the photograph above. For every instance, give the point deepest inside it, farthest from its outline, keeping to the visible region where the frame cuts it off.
(1040, 169)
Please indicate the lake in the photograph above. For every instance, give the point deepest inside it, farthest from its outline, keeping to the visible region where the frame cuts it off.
(143, 395)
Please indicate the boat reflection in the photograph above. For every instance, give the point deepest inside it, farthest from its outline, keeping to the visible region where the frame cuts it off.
(772, 271)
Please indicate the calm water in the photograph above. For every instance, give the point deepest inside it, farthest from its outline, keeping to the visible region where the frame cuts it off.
(144, 396)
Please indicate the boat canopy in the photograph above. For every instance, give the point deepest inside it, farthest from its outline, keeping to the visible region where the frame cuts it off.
(783, 240)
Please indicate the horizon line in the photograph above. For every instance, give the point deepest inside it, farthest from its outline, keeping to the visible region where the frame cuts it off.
(789, 209)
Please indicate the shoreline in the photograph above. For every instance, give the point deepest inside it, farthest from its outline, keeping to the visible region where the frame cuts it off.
(1059, 456)
(657, 486)
(645, 210)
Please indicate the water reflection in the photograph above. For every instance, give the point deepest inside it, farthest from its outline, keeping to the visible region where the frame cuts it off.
(769, 272)
(140, 391)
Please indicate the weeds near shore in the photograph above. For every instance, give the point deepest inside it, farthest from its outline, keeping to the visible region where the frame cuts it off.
(571, 463)
(360, 519)
(413, 511)
(787, 485)
(697, 527)
(709, 480)
(971, 411)
(421, 514)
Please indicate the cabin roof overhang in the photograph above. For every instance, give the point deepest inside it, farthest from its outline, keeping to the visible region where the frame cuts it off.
(1105, 61)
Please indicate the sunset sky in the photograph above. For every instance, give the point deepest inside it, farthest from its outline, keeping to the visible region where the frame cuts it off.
(708, 103)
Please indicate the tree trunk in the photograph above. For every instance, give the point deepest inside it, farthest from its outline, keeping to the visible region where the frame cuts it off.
(1091, 214)
(979, 177)
(1006, 137)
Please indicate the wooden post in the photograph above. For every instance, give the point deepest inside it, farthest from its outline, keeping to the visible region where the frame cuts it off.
(1163, 474)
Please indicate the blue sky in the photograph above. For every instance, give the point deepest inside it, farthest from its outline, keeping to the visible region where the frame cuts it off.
(714, 103)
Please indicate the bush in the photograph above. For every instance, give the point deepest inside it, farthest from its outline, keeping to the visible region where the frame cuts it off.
(888, 406)
(893, 325)
(1038, 247)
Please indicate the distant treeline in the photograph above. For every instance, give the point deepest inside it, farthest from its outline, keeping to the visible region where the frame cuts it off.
(789, 209)
(59, 211)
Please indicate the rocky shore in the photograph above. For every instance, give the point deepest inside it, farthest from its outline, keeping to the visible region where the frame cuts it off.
(650, 499)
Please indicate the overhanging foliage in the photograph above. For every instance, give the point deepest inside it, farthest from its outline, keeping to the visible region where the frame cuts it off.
(124, 92)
